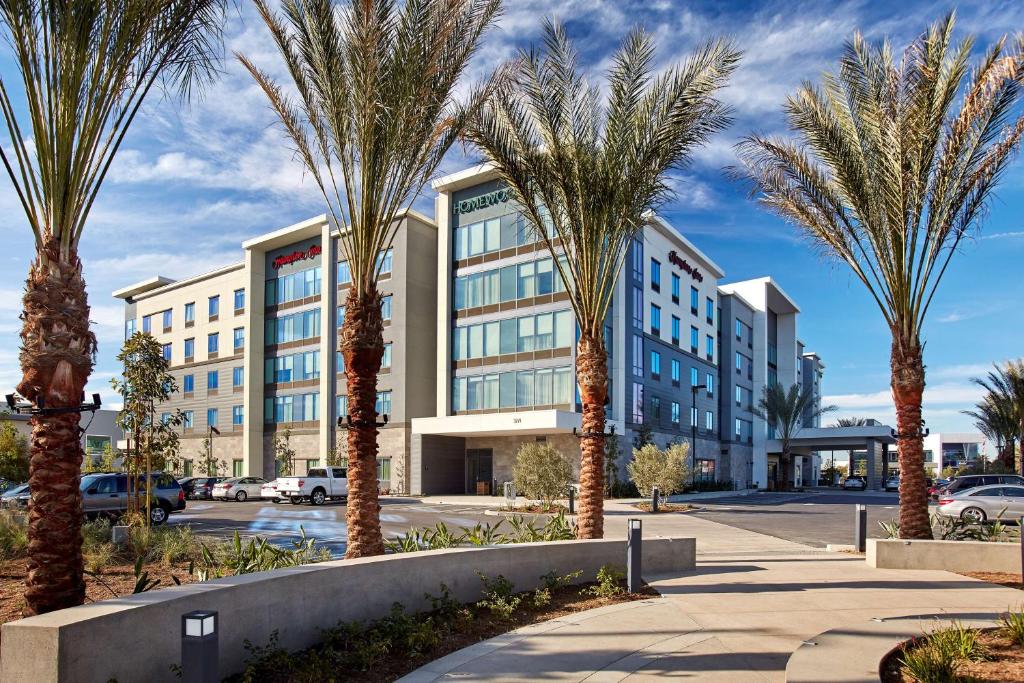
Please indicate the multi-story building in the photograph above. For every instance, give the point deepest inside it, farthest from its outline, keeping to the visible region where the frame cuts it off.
(253, 348)
(948, 449)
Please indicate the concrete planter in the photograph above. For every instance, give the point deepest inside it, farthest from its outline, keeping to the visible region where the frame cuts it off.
(138, 637)
(953, 556)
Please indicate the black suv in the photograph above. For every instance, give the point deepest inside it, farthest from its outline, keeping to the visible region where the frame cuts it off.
(199, 487)
(107, 495)
(969, 481)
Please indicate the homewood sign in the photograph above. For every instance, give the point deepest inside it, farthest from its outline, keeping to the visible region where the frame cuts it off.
(481, 202)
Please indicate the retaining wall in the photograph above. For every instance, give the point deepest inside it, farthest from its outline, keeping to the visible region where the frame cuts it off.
(138, 637)
(953, 556)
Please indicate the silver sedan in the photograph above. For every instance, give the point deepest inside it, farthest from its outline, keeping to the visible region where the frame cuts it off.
(984, 503)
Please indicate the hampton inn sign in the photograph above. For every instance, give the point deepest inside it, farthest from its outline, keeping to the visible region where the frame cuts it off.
(693, 272)
(299, 255)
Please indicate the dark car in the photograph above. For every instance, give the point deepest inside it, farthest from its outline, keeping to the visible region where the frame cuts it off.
(199, 487)
(970, 481)
(107, 495)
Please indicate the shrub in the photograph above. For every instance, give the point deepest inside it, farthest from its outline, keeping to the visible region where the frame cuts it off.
(928, 663)
(499, 596)
(609, 582)
(553, 581)
(666, 469)
(541, 472)
(13, 535)
(1013, 626)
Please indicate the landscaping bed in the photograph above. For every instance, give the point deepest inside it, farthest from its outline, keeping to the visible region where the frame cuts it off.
(958, 653)
(667, 507)
(1008, 579)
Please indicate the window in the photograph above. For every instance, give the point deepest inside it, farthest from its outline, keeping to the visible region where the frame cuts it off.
(168, 318)
(694, 377)
(739, 362)
(693, 416)
(694, 300)
(638, 308)
(656, 320)
(294, 367)
(385, 307)
(190, 312)
(147, 324)
(529, 333)
(709, 310)
(677, 370)
(211, 417)
(773, 376)
(709, 421)
(638, 355)
(522, 388)
(237, 415)
(292, 408)
(239, 299)
(237, 377)
(188, 384)
(187, 419)
(383, 404)
(709, 382)
(187, 468)
(212, 379)
(129, 328)
(675, 330)
(341, 405)
(167, 352)
(655, 365)
(165, 418)
(739, 330)
(675, 288)
(294, 327)
(507, 283)
(239, 338)
(386, 359)
(214, 306)
(739, 397)
(344, 273)
(491, 235)
(655, 275)
(638, 403)
(212, 342)
(294, 287)
(675, 413)
(655, 409)
(694, 340)
(190, 348)
(384, 261)
(237, 469)
(638, 260)
(739, 428)
(709, 348)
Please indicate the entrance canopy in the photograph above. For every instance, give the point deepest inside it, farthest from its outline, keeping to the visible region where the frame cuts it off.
(812, 439)
(522, 423)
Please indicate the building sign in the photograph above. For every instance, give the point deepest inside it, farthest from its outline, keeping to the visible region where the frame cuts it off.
(483, 201)
(674, 259)
(300, 255)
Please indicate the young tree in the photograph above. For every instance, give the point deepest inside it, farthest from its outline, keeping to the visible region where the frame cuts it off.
(889, 175)
(588, 174)
(784, 410)
(541, 472)
(374, 115)
(665, 468)
(285, 454)
(86, 67)
(13, 453)
(209, 464)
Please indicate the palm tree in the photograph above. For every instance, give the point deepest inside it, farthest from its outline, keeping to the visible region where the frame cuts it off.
(86, 68)
(889, 175)
(1000, 414)
(373, 117)
(587, 174)
(785, 411)
(850, 422)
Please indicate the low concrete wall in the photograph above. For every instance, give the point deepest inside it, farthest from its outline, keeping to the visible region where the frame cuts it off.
(138, 637)
(953, 556)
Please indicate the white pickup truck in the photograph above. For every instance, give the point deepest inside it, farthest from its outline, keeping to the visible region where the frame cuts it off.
(317, 486)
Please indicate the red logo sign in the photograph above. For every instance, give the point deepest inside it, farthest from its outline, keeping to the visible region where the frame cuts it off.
(300, 255)
(674, 259)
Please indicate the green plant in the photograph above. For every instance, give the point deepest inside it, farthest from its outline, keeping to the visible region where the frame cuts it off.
(443, 606)
(553, 581)
(928, 663)
(609, 582)
(541, 472)
(142, 581)
(541, 597)
(961, 641)
(667, 469)
(13, 535)
(499, 596)
(1013, 626)
(97, 557)
(485, 534)
(13, 451)
(891, 528)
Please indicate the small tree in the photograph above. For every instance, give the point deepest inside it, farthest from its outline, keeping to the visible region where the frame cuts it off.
(541, 472)
(667, 469)
(210, 464)
(13, 453)
(285, 454)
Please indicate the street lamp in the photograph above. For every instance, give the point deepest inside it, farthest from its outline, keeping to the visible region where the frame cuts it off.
(693, 431)
(209, 451)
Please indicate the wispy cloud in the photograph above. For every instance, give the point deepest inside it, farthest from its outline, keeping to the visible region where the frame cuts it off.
(1004, 236)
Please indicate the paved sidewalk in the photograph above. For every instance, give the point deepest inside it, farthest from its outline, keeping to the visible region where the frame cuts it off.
(751, 602)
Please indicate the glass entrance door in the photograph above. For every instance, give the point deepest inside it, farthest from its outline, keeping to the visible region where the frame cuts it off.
(479, 471)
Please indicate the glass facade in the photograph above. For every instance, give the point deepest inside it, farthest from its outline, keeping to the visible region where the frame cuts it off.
(508, 283)
(295, 367)
(504, 232)
(294, 327)
(514, 389)
(286, 409)
(538, 332)
(300, 285)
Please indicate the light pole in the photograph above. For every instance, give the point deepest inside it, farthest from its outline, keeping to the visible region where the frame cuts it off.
(210, 469)
(693, 432)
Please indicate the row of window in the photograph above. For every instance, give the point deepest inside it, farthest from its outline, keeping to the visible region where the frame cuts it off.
(675, 364)
(293, 408)
(529, 333)
(167, 317)
(744, 362)
(212, 417)
(384, 263)
(293, 287)
(382, 406)
(212, 344)
(513, 389)
(188, 382)
(505, 232)
(654, 414)
(385, 310)
(294, 327)
(508, 283)
(385, 360)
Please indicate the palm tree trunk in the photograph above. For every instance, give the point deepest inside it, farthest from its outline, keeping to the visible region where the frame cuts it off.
(907, 366)
(56, 359)
(362, 346)
(592, 376)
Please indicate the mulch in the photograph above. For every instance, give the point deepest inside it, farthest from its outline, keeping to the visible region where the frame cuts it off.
(1005, 663)
(667, 507)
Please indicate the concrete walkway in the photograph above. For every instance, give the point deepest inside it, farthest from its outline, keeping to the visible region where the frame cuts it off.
(752, 601)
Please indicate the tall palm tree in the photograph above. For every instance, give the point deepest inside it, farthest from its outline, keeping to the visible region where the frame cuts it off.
(1000, 414)
(587, 173)
(373, 116)
(889, 174)
(86, 67)
(785, 411)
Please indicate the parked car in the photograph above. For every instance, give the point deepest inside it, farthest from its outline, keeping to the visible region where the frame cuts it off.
(269, 492)
(855, 483)
(983, 503)
(7, 485)
(107, 495)
(892, 484)
(239, 488)
(16, 498)
(970, 481)
(938, 485)
(199, 487)
(317, 486)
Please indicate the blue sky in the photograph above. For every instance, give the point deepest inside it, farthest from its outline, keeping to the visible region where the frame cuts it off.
(192, 182)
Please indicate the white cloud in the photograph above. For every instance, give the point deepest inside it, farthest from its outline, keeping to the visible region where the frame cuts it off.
(1004, 236)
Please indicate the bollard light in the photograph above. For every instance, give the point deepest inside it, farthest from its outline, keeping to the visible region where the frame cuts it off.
(860, 528)
(572, 500)
(199, 647)
(1021, 522)
(634, 541)
(655, 499)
